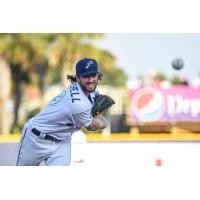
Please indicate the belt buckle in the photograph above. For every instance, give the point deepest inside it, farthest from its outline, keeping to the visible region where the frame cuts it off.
(42, 135)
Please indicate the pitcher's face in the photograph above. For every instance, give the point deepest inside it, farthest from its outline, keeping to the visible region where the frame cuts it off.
(88, 83)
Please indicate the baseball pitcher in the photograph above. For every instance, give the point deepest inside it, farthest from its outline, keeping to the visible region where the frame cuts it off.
(47, 136)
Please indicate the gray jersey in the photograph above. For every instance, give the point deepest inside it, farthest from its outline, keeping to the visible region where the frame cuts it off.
(65, 114)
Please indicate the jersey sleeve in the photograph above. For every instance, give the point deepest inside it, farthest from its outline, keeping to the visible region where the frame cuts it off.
(83, 119)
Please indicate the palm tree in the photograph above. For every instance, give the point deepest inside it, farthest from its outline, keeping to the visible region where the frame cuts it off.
(41, 44)
(69, 48)
(16, 50)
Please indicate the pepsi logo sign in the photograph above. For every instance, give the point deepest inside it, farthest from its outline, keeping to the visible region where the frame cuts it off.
(147, 104)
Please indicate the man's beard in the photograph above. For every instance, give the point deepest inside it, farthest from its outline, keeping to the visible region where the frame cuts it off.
(85, 89)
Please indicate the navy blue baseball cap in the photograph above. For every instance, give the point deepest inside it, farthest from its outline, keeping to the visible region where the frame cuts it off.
(86, 67)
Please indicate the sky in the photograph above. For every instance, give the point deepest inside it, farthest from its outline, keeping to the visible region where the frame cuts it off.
(140, 53)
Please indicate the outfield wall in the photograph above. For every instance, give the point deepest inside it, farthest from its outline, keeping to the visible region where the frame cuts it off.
(124, 137)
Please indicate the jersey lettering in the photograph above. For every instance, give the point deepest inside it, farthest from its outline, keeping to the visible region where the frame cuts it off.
(75, 99)
(73, 92)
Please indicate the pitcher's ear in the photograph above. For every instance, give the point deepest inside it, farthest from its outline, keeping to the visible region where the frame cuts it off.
(100, 76)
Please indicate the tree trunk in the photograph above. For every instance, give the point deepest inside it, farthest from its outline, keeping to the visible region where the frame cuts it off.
(41, 70)
(18, 96)
(5, 88)
(18, 78)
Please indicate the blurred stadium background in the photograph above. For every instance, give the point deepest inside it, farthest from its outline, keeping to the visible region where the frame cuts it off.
(151, 111)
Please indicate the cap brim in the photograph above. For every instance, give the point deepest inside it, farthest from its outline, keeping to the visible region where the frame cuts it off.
(88, 73)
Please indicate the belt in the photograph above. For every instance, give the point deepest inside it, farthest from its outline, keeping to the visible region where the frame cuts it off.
(46, 137)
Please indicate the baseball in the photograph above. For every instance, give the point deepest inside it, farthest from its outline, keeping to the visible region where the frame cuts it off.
(177, 63)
